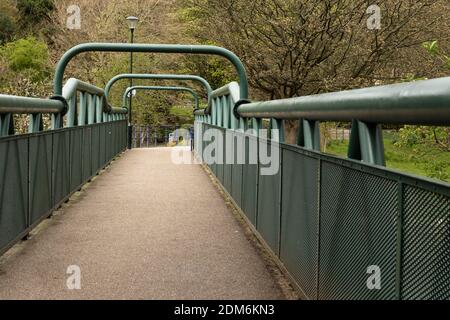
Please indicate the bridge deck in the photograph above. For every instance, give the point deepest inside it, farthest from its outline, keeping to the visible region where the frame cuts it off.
(144, 229)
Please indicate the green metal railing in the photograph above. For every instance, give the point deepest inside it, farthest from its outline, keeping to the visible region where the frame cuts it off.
(92, 108)
(42, 169)
(151, 48)
(160, 88)
(147, 76)
(419, 103)
(328, 220)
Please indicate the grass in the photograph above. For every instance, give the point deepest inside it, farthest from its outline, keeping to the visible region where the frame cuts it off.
(423, 160)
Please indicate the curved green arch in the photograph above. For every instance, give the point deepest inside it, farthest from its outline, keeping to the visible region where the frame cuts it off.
(160, 77)
(156, 48)
(159, 88)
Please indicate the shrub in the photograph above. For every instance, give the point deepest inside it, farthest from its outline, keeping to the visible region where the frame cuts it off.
(28, 54)
(7, 27)
(33, 11)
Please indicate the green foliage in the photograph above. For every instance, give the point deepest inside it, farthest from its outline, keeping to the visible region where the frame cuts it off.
(33, 11)
(217, 71)
(433, 49)
(27, 55)
(411, 155)
(7, 27)
(412, 136)
(182, 115)
(437, 169)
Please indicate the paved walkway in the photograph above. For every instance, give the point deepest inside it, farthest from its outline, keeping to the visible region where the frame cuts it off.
(144, 229)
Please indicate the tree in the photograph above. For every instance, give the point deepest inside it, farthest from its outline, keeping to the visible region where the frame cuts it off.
(302, 47)
(7, 27)
(7, 21)
(34, 11)
(181, 115)
(28, 54)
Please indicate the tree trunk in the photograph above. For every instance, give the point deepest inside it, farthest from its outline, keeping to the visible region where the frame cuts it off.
(290, 131)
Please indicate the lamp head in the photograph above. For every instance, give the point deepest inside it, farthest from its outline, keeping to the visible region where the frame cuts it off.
(132, 22)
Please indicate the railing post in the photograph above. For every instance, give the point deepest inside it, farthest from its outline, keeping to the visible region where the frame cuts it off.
(309, 134)
(214, 112)
(256, 125)
(366, 143)
(234, 120)
(277, 124)
(99, 110)
(35, 124)
(91, 108)
(9, 125)
(56, 121)
(219, 111)
(225, 112)
(82, 114)
(71, 113)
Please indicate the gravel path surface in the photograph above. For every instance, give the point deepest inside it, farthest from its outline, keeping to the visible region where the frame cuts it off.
(144, 229)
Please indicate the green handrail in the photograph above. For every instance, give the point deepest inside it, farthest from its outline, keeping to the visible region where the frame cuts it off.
(92, 106)
(159, 77)
(223, 109)
(425, 102)
(26, 105)
(159, 88)
(150, 48)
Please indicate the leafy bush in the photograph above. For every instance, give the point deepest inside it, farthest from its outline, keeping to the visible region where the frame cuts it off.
(411, 136)
(33, 11)
(28, 54)
(182, 115)
(437, 169)
(7, 27)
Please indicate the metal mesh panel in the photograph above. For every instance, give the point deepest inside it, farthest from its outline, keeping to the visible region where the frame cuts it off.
(124, 135)
(220, 168)
(208, 152)
(114, 139)
(198, 141)
(13, 189)
(237, 172)
(38, 171)
(339, 218)
(358, 223)
(249, 184)
(426, 245)
(102, 145)
(76, 158)
(108, 143)
(300, 219)
(40, 176)
(227, 168)
(87, 153)
(61, 165)
(96, 161)
(269, 193)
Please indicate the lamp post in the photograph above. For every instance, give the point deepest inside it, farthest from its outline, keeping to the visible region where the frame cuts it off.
(132, 23)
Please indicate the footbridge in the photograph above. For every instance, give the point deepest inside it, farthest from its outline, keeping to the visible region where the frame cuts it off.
(239, 213)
